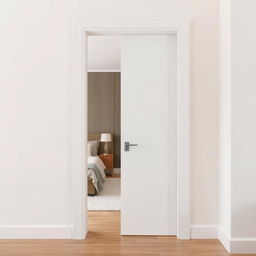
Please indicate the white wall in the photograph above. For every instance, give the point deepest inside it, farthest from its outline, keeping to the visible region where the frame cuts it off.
(238, 126)
(243, 115)
(204, 17)
(34, 81)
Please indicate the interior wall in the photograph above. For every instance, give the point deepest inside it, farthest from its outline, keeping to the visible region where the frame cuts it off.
(104, 107)
(237, 129)
(34, 99)
(243, 113)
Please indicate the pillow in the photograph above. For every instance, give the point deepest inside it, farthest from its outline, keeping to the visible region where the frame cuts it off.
(89, 149)
(92, 147)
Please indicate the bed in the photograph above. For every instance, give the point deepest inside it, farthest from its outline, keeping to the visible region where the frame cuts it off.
(96, 168)
(95, 175)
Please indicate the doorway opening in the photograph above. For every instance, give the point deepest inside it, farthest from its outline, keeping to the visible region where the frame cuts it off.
(148, 110)
(104, 123)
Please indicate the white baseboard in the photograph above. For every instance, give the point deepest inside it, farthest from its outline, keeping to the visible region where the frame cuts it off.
(117, 170)
(204, 232)
(35, 232)
(243, 245)
(237, 245)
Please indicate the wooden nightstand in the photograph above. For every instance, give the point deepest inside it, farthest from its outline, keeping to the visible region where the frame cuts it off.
(108, 161)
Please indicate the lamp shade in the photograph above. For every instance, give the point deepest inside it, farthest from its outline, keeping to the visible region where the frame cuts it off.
(105, 137)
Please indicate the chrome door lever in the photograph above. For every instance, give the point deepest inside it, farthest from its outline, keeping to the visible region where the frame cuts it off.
(127, 146)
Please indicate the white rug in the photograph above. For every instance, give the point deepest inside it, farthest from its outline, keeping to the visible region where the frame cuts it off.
(109, 198)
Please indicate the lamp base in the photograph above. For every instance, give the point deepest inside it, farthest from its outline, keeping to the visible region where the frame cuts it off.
(106, 149)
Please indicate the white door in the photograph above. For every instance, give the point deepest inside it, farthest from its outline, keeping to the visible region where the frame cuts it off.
(148, 119)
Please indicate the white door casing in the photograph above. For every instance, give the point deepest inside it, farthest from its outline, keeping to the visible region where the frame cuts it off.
(79, 31)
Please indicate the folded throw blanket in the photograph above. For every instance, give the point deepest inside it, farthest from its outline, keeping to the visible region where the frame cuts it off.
(97, 179)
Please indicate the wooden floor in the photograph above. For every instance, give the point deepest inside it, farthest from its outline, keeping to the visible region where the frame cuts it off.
(104, 239)
(114, 175)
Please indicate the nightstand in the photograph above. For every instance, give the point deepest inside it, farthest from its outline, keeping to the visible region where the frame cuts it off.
(108, 161)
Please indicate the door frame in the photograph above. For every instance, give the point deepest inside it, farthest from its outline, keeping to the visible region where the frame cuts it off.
(77, 95)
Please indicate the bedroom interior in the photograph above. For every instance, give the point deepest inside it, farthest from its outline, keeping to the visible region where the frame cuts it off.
(103, 141)
(104, 125)
(103, 147)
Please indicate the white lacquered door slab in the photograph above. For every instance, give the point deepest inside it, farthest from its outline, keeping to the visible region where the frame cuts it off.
(148, 107)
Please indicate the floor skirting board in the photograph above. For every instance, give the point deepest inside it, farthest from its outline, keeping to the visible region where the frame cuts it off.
(237, 245)
(243, 245)
(35, 232)
(204, 232)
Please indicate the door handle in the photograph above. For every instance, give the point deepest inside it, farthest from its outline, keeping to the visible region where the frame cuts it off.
(127, 146)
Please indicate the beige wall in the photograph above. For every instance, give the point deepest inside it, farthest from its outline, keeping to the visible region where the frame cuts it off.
(104, 107)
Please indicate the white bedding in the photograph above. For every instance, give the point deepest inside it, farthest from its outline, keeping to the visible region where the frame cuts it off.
(98, 162)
